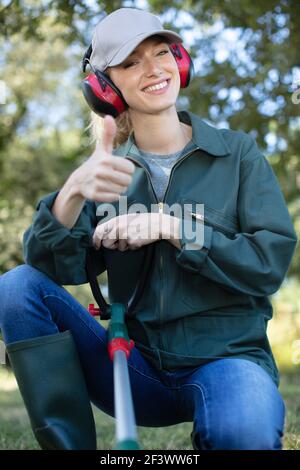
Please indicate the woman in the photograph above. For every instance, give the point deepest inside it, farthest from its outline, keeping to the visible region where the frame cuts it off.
(201, 351)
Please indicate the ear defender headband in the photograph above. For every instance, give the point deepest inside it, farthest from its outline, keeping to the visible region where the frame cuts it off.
(103, 97)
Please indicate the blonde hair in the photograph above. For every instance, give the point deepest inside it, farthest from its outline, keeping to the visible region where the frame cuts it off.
(123, 123)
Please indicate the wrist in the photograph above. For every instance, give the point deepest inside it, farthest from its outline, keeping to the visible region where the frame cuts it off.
(73, 187)
(68, 204)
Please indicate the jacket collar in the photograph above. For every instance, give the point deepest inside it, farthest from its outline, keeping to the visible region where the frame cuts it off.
(204, 136)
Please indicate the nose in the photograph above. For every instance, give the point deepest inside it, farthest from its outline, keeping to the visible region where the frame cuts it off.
(152, 67)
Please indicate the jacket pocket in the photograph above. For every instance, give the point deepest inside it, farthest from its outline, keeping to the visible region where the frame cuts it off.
(219, 334)
(198, 292)
(227, 223)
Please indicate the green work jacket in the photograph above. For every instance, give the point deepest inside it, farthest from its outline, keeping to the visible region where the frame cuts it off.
(206, 300)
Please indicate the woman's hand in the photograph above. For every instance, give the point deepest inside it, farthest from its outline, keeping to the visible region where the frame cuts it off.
(128, 231)
(104, 176)
(132, 231)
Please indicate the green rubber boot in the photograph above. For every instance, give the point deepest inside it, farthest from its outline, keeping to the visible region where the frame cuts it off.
(52, 384)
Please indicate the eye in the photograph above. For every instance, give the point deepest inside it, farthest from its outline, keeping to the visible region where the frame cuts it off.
(129, 64)
(165, 51)
(126, 66)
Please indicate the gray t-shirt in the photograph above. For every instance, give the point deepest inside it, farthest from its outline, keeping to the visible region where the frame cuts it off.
(161, 166)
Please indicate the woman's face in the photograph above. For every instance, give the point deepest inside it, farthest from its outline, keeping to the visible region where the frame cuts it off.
(151, 63)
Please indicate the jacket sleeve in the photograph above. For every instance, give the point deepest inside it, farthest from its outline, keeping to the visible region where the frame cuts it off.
(57, 251)
(255, 261)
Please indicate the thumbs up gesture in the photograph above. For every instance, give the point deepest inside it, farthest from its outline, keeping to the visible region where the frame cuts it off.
(104, 176)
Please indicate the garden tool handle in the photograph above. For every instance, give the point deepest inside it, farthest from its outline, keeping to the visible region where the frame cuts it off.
(104, 308)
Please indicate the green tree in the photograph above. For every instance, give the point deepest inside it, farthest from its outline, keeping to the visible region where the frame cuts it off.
(42, 44)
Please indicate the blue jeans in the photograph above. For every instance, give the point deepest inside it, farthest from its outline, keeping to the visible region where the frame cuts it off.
(233, 403)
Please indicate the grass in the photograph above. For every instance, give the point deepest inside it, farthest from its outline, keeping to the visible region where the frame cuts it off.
(16, 434)
(289, 387)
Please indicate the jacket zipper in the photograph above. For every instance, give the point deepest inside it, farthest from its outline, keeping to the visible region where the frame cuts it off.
(161, 210)
(214, 224)
(171, 174)
(197, 216)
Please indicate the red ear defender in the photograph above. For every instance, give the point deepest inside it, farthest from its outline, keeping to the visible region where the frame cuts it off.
(184, 63)
(103, 97)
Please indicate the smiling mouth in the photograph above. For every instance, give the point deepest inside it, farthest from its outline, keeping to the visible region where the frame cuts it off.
(157, 88)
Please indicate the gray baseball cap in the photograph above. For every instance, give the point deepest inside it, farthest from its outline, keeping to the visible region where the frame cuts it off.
(119, 33)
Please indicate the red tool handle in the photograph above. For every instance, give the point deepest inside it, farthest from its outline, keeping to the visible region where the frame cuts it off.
(120, 344)
(95, 311)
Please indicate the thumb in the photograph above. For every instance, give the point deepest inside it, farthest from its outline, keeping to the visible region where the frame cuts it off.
(109, 132)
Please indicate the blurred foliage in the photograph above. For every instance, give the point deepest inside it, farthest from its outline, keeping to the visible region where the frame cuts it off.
(42, 123)
(43, 120)
(284, 330)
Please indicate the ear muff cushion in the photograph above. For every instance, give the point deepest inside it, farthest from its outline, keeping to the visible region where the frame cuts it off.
(102, 95)
(184, 63)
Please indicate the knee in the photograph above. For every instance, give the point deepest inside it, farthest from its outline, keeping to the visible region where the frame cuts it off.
(244, 436)
(247, 438)
(13, 287)
(18, 277)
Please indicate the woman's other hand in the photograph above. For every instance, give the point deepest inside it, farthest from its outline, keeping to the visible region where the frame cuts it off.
(104, 176)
